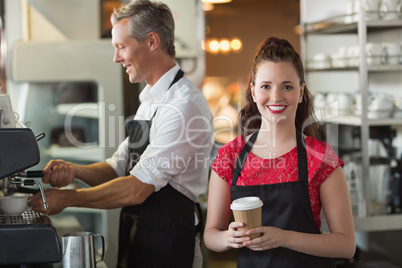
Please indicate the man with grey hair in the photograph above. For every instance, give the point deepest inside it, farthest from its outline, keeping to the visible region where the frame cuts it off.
(160, 170)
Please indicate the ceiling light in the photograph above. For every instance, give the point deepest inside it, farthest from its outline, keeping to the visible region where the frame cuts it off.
(207, 6)
(214, 46)
(236, 44)
(216, 1)
(224, 45)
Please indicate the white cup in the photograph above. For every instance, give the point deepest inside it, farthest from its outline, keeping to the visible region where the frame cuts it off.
(397, 108)
(380, 103)
(319, 100)
(349, 11)
(353, 56)
(352, 11)
(343, 52)
(375, 49)
(322, 61)
(393, 51)
(13, 205)
(400, 57)
(374, 53)
(389, 9)
(356, 10)
(372, 8)
(345, 103)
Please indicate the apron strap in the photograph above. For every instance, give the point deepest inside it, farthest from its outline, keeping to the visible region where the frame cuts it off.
(178, 76)
(139, 130)
(242, 157)
(301, 157)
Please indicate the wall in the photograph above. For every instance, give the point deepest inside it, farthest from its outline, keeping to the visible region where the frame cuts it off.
(251, 21)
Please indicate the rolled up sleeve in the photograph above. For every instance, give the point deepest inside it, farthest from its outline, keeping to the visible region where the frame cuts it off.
(119, 159)
(178, 139)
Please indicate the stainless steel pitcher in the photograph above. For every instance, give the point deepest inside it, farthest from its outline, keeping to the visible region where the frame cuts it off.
(79, 250)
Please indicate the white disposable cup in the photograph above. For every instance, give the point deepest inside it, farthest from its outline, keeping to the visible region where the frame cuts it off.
(248, 210)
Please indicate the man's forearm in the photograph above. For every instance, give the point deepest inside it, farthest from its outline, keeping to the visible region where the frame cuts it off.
(95, 174)
(120, 192)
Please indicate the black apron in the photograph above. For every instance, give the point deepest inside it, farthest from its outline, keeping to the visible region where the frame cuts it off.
(286, 206)
(159, 232)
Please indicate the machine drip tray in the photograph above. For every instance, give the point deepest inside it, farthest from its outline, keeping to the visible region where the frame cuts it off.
(27, 217)
(28, 239)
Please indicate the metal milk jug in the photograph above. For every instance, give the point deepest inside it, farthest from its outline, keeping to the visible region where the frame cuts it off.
(79, 250)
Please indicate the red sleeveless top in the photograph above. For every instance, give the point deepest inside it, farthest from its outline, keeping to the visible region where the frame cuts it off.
(321, 161)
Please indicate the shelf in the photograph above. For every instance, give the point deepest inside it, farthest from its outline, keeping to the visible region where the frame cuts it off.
(335, 25)
(378, 223)
(370, 69)
(381, 25)
(81, 154)
(354, 120)
(86, 110)
(332, 69)
(84, 210)
(384, 68)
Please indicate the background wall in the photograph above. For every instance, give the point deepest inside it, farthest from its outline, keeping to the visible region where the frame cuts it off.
(251, 21)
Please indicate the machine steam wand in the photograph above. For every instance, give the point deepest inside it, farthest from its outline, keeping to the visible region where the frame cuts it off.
(30, 182)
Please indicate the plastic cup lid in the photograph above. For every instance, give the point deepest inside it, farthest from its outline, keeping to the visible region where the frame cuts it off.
(246, 203)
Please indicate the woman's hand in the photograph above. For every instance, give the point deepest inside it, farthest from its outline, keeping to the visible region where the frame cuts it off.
(272, 237)
(235, 238)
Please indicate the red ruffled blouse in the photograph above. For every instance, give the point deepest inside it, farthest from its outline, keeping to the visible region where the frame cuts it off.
(321, 161)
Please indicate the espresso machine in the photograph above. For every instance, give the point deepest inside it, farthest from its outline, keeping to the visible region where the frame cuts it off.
(29, 239)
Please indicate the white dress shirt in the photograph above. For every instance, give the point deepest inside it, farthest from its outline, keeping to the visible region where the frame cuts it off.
(181, 137)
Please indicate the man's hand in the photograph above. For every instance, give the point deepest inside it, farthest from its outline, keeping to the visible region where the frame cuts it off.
(54, 199)
(59, 173)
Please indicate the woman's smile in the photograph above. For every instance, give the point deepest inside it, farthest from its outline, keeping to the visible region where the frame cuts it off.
(277, 90)
(276, 109)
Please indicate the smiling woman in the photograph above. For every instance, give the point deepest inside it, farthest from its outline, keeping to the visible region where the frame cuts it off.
(277, 92)
(309, 177)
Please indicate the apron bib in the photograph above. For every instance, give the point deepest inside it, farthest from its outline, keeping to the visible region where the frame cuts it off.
(159, 232)
(286, 206)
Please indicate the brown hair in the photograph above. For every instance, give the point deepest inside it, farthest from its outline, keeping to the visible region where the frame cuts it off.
(276, 50)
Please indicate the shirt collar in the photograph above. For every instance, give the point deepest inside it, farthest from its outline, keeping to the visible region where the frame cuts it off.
(161, 86)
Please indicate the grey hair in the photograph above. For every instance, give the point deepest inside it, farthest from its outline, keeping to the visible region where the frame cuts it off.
(145, 17)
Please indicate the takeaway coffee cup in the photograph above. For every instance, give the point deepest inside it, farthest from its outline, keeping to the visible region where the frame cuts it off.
(248, 210)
